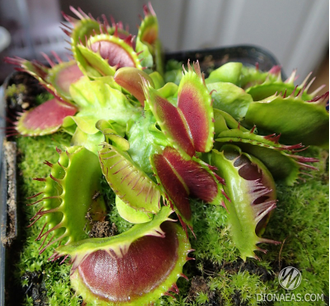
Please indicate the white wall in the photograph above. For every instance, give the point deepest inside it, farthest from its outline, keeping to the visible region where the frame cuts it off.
(295, 31)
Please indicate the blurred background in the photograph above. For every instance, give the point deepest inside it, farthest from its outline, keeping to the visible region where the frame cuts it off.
(296, 32)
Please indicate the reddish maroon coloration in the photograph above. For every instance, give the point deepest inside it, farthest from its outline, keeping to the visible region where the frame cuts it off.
(134, 88)
(151, 33)
(143, 268)
(49, 114)
(250, 172)
(173, 186)
(198, 180)
(273, 137)
(115, 54)
(131, 81)
(275, 70)
(194, 113)
(150, 36)
(40, 69)
(170, 115)
(261, 188)
(68, 76)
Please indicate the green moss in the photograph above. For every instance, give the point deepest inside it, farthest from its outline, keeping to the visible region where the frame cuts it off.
(32, 152)
(43, 97)
(300, 222)
(14, 89)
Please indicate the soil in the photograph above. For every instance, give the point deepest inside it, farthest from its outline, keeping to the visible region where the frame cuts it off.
(101, 229)
(240, 265)
(35, 288)
(10, 159)
(200, 284)
(27, 88)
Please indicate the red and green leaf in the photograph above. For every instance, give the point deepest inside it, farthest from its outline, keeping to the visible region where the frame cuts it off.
(148, 45)
(252, 194)
(57, 79)
(169, 119)
(189, 126)
(281, 160)
(175, 188)
(182, 178)
(130, 78)
(134, 268)
(106, 53)
(129, 183)
(148, 30)
(195, 104)
(44, 119)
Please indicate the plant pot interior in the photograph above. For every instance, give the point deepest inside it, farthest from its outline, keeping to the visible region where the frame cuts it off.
(85, 194)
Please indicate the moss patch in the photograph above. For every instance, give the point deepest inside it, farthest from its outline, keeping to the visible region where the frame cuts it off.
(217, 276)
(41, 281)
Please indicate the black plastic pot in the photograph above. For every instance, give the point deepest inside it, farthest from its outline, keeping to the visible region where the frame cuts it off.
(8, 207)
(208, 59)
(214, 58)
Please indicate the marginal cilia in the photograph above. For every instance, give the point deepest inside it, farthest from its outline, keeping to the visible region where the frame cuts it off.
(223, 139)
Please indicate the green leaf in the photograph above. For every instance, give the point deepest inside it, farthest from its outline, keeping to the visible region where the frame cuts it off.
(229, 73)
(296, 120)
(281, 160)
(130, 214)
(230, 98)
(128, 181)
(99, 100)
(251, 190)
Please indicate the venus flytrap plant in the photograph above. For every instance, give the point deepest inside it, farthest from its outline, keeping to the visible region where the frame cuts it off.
(105, 270)
(188, 131)
(148, 44)
(130, 183)
(281, 160)
(165, 148)
(303, 127)
(57, 81)
(91, 41)
(270, 103)
(252, 197)
(60, 202)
